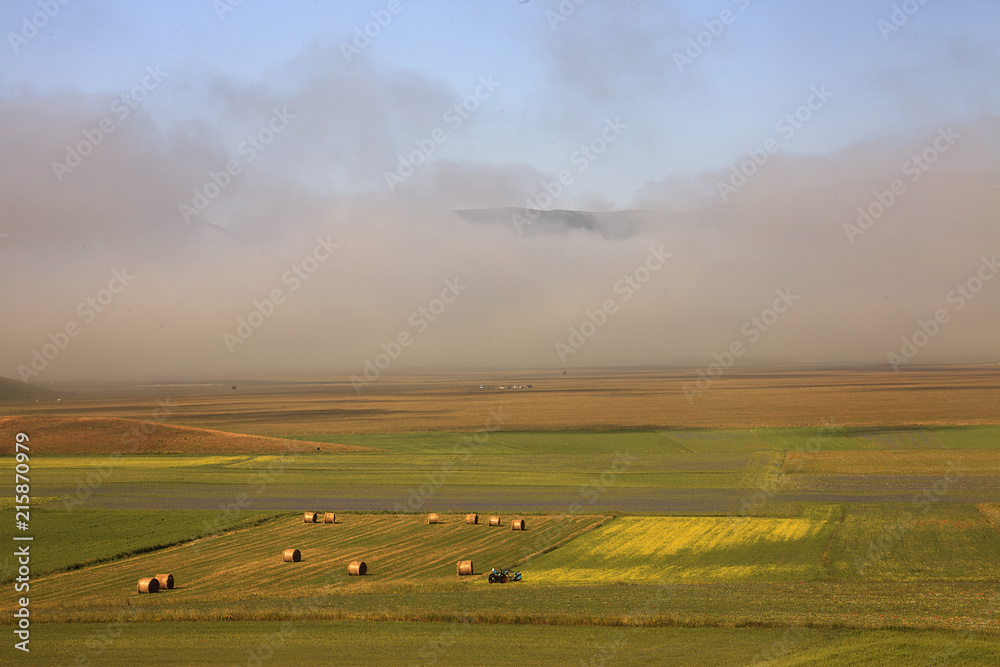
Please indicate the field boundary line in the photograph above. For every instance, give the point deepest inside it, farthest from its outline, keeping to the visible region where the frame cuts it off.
(660, 620)
(825, 558)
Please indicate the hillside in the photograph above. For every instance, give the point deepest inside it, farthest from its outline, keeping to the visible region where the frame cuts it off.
(15, 390)
(107, 435)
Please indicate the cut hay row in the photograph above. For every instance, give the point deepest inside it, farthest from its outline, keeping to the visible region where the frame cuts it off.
(356, 568)
(401, 549)
(471, 519)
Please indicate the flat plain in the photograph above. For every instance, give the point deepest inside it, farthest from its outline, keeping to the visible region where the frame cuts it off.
(851, 532)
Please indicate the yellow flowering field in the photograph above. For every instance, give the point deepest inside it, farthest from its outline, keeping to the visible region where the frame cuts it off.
(690, 549)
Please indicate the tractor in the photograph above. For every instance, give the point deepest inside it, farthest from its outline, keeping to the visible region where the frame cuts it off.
(503, 576)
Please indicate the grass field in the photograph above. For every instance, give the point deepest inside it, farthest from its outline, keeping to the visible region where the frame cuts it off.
(244, 566)
(357, 643)
(840, 538)
(664, 472)
(84, 537)
(916, 542)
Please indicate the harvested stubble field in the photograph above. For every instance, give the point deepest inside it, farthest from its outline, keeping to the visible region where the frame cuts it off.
(849, 543)
(580, 400)
(590, 570)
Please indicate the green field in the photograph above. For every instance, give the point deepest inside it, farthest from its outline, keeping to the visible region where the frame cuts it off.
(657, 472)
(410, 643)
(762, 546)
(85, 537)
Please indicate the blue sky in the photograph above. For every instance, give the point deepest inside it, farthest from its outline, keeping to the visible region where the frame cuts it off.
(753, 153)
(605, 59)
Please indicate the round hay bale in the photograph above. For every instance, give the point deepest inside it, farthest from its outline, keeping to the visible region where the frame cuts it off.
(464, 567)
(149, 585)
(494, 521)
(433, 518)
(310, 517)
(291, 555)
(166, 581)
(330, 517)
(517, 524)
(472, 519)
(357, 568)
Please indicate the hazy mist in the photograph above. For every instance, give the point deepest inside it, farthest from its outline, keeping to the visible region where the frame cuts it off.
(524, 280)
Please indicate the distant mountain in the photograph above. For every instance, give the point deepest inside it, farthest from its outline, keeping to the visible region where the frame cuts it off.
(611, 224)
(935, 195)
(15, 390)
